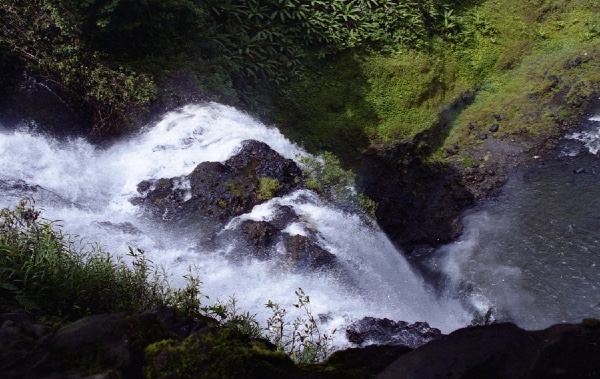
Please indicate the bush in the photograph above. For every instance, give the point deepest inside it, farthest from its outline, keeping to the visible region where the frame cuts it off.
(326, 176)
(47, 35)
(109, 53)
(41, 269)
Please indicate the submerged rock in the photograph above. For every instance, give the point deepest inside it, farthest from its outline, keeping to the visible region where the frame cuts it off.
(305, 254)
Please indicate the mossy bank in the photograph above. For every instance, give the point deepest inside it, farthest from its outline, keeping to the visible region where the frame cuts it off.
(431, 130)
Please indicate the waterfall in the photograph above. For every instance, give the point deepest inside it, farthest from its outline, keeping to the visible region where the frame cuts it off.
(89, 189)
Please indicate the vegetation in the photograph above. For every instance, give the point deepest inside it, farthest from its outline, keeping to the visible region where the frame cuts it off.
(42, 271)
(301, 338)
(339, 76)
(326, 176)
(267, 188)
(110, 54)
(527, 66)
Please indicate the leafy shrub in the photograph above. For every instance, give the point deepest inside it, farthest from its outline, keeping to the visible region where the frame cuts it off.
(109, 53)
(47, 35)
(301, 338)
(326, 176)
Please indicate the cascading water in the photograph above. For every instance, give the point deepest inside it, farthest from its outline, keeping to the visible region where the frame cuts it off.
(89, 190)
(533, 253)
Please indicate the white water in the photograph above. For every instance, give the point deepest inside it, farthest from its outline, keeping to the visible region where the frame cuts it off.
(85, 187)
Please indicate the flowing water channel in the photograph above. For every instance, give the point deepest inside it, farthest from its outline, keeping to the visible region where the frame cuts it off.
(531, 254)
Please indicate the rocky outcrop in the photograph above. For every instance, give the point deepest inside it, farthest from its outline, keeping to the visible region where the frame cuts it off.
(377, 331)
(223, 190)
(305, 255)
(418, 203)
(505, 351)
(159, 344)
(108, 345)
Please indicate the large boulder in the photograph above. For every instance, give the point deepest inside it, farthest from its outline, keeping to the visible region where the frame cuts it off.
(370, 330)
(505, 351)
(223, 190)
(103, 346)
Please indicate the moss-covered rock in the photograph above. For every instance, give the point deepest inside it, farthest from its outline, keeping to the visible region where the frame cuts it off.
(254, 175)
(218, 353)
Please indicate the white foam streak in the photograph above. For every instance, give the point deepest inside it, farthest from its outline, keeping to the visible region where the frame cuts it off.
(96, 186)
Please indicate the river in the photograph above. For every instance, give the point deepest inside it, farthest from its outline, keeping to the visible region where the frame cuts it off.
(530, 254)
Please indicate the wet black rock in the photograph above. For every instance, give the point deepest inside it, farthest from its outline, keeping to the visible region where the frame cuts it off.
(105, 345)
(283, 217)
(304, 254)
(260, 234)
(259, 160)
(223, 190)
(379, 331)
(553, 79)
(494, 128)
(573, 63)
(121, 227)
(418, 202)
(505, 351)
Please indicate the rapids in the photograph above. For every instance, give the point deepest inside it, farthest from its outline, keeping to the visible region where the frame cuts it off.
(532, 254)
(89, 188)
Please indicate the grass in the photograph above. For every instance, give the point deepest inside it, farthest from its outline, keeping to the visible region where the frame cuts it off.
(512, 57)
(41, 270)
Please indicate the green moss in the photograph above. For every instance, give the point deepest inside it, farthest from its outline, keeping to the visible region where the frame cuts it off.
(327, 109)
(267, 188)
(222, 203)
(235, 188)
(511, 59)
(216, 353)
(314, 185)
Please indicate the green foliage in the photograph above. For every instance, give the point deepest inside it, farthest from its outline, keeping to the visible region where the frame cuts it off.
(109, 53)
(267, 188)
(41, 269)
(272, 38)
(229, 315)
(47, 35)
(326, 176)
(216, 353)
(301, 338)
